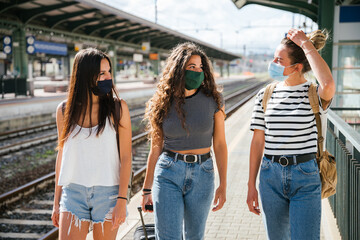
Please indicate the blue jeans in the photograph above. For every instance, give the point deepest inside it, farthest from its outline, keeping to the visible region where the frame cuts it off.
(182, 193)
(291, 200)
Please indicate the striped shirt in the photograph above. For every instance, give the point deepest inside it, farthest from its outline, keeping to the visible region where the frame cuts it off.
(289, 122)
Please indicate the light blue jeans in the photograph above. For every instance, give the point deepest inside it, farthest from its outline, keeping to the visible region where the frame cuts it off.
(182, 193)
(291, 200)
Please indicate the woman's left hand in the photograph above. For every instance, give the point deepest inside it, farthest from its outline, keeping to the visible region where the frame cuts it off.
(297, 36)
(220, 198)
(119, 214)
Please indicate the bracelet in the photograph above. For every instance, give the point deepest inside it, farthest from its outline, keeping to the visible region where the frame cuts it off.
(148, 193)
(302, 43)
(310, 51)
(146, 190)
(118, 197)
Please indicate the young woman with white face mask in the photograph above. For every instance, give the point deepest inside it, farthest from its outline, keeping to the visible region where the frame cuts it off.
(284, 143)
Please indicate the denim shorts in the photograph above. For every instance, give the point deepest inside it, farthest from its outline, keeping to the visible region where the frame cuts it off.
(94, 204)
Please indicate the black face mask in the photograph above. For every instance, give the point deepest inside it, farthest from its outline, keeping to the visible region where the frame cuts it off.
(103, 87)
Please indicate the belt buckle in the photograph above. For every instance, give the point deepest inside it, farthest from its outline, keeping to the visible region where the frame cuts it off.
(280, 162)
(195, 158)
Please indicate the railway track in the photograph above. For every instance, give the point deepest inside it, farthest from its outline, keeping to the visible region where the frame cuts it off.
(30, 218)
(22, 139)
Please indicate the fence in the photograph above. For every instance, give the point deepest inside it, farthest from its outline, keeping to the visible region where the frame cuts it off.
(13, 85)
(344, 143)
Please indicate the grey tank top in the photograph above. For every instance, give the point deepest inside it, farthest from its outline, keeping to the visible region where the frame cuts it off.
(199, 118)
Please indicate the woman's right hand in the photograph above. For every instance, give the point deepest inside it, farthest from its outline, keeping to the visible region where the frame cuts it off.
(252, 200)
(55, 215)
(146, 200)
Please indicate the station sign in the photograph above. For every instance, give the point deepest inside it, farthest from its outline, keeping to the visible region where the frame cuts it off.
(137, 57)
(2, 55)
(153, 56)
(145, 46)
(33, 46)
(7, 42)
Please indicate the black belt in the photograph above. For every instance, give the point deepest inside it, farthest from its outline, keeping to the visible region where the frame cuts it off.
(290, 160)
(188, 158)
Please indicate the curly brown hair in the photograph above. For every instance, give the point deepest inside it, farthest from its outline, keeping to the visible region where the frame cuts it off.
(171, 87)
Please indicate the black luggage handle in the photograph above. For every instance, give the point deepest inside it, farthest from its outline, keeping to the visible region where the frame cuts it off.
(143, 223)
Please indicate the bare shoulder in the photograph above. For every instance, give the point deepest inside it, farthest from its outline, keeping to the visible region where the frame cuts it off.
(124, 104)
(60, 109)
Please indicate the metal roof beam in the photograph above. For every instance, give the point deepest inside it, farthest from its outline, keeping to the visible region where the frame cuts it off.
(108, 32)
(139, 38)
(91, 30)
(28, 15)
(76, 25)
(148, 32)
(160, 43)
(54, 21)
(120, 36)
(6, 6)
(119, 33)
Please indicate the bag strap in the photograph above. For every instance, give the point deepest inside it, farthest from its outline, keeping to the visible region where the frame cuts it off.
(267, 94)
(314, 103)
(313, 98)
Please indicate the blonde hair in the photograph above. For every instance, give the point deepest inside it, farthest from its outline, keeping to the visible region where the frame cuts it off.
(296, 54)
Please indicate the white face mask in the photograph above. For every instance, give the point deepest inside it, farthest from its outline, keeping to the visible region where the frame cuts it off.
(276, 71)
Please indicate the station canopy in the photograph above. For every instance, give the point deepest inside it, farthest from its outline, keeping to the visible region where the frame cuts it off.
(92, 19)
(309, 8)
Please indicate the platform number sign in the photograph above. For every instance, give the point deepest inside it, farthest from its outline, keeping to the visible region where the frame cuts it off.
(30, 45)
(7, 41)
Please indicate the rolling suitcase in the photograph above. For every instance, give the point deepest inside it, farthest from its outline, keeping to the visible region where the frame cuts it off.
(146, 231)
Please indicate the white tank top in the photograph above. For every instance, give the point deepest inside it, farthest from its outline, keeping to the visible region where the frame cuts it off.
(90, 160)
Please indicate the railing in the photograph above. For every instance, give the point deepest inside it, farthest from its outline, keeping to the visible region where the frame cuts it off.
(344, 143)
(13, 85)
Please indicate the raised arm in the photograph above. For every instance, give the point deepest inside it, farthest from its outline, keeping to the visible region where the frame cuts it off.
(319, 67)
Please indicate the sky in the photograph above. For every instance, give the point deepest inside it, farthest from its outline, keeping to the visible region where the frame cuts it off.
(219, 22)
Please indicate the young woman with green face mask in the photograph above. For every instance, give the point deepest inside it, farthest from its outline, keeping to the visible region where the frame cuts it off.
(185, 118)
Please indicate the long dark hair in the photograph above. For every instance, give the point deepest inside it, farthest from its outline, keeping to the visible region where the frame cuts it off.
(171, 87)
(85, 72)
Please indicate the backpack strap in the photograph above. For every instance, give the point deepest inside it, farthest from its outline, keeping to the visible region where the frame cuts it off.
(314, 103)
(267, 94)
(313, 98)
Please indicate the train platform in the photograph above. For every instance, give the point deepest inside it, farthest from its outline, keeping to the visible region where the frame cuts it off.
(16, 112)
(234, 221)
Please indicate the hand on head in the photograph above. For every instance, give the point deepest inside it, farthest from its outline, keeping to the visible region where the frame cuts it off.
(297, 36)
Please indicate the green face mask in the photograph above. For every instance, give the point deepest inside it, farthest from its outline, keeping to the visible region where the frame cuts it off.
(193, 79)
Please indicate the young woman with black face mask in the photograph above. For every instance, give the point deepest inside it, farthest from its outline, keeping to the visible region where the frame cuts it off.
(284, 143)
(92, 169)
(185, 118)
